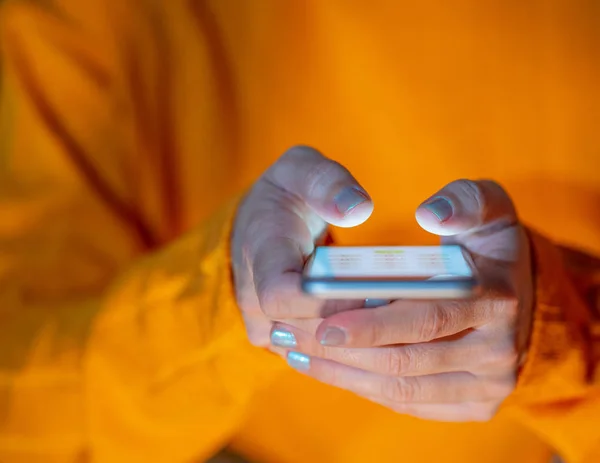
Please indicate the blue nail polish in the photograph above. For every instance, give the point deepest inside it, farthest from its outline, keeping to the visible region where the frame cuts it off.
(376, 302)
(283, 338)
(298, 361)
(441, 208)
(348, 199)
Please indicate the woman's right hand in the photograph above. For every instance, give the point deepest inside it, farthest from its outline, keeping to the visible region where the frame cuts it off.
(278, 224)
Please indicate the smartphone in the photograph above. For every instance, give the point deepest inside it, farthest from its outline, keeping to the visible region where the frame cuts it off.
(388, 273)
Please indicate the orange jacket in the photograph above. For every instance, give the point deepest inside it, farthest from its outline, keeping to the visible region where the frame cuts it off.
(125, 127)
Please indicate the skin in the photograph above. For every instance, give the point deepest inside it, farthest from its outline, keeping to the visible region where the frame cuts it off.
(438, 360)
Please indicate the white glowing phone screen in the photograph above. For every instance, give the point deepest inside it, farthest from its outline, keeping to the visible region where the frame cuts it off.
(395, 262)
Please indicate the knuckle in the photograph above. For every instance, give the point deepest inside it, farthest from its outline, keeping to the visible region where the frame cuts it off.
(430, 326)
(437, 321)
(317, 170)
(400, 361)
(319, 176)
(470, 189)
(506, 308)
(485, 195)
(399, 390)
(483, 311)
(346, 356)
(305, 156)
(494, 188)
(393, 362)
(375, 331)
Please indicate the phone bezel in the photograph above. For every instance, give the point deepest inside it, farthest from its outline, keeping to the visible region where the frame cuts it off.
(359, 287)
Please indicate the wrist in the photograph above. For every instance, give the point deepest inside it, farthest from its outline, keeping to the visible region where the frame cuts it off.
(555, 366)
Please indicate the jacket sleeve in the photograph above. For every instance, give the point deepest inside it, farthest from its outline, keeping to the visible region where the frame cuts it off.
(558, 393)
(117, 341)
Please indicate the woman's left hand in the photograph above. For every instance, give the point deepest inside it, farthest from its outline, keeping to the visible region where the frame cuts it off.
(447, 360)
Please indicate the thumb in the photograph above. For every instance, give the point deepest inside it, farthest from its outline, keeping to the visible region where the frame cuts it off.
(466, 206)
(327, 188)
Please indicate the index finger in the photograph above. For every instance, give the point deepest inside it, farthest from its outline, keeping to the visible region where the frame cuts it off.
(277, 277)
(402, 322)
(290, 207)
(277, 269)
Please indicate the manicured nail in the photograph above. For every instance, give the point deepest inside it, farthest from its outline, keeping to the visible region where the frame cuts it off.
(441, 208)
(348, 199)
(283, 338)
(333, 337)
(298, 361)
(376, 302)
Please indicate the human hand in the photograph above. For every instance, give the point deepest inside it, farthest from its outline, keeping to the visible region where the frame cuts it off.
(277, 226)
(453, 360)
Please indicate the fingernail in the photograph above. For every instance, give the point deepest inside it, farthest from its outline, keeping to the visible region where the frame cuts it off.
(333, 337)
(298, 361)
(283, 338)
(441, 208)
(347, 199)
(376, 302)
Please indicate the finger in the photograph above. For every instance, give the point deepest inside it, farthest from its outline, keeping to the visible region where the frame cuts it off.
(258, 328)
(371, 302)
(326, 187)
(277, 284)
(439, 388)
(280, 297)
(458, 413)
(280, 232)
(467, 206)
(401, 322)
(306, 326)
(276, 270)
(279, 351)
(475, 352)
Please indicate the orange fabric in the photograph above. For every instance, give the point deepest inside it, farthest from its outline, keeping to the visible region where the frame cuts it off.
(126, 125)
